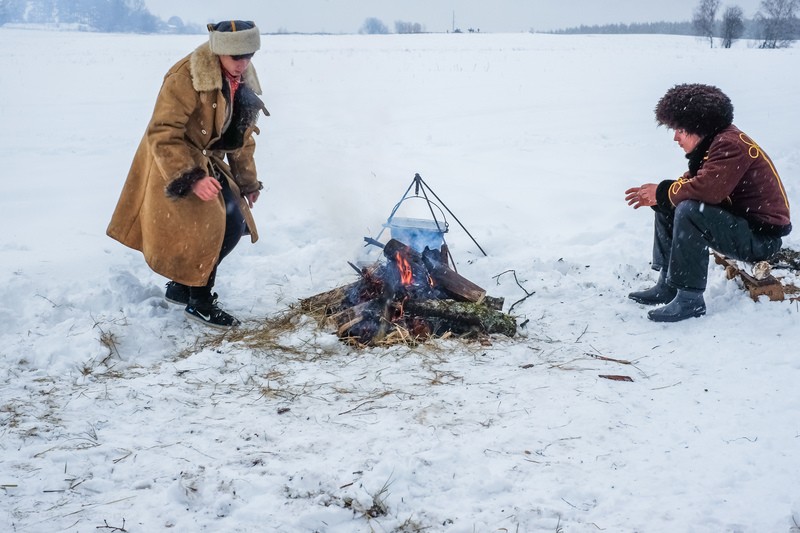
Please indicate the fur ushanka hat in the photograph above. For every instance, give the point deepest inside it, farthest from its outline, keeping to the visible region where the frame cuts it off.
(696, 108)
(234, 37)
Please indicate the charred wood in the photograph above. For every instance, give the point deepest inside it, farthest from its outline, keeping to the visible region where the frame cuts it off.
(370, 286)
(461, 317)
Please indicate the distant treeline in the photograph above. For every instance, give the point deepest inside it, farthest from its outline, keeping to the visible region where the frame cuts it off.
(125, 16)
(661, 28)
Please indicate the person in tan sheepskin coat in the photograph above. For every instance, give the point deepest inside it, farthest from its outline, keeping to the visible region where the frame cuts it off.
(186, 201)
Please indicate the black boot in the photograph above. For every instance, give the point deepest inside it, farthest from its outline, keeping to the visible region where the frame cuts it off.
(687, 304)
(203, 308)
(661, 293)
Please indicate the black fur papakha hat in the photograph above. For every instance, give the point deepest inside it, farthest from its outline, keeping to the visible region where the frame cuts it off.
(234, 37)
(695, 108)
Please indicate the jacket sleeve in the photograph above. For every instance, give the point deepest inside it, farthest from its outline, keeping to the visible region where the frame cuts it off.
(243, 165)
(663, 203)
(726, 164)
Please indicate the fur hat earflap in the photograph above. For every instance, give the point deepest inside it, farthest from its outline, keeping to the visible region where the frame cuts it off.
(696, 108)
(234, 37)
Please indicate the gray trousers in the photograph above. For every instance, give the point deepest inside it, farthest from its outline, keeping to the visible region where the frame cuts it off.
(683, 237)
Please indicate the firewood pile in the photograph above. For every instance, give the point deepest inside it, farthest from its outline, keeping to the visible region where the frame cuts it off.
(409, 298)
(759, 279)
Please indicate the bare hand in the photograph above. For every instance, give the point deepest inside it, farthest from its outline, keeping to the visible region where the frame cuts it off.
(644, 196)
(206, 188)
(252, 198)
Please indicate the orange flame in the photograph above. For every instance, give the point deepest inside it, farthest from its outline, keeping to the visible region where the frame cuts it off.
(406, 275)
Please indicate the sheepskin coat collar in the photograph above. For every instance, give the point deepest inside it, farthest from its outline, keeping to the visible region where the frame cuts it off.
(207, 73)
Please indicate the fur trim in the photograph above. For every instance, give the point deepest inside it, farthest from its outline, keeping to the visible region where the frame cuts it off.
(227, 39)
(246, 109)
(180, 187)
(699, 109)
(207, 72)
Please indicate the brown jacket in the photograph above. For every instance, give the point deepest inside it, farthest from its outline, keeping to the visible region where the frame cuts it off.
(736, 174)
(193, 129)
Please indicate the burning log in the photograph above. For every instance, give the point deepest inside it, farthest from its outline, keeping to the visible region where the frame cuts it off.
(368, 287)
(462, 317)
(372, 321)
(326, 301)
(453, 283)
(367, 320)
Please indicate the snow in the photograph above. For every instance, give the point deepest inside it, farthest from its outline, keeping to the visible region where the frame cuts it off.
(116, 412)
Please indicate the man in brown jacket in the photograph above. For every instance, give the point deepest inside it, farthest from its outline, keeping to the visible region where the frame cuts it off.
(187, 198)
(730, 200)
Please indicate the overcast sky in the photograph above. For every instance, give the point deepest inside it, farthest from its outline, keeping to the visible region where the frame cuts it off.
(347, 16)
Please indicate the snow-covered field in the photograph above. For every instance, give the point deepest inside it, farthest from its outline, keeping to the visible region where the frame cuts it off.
(115, 412)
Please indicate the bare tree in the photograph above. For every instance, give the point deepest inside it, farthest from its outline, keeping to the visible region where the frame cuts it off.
(373, 25)
(704, 20)
(777, 20)
(401, 26)
(732, 25)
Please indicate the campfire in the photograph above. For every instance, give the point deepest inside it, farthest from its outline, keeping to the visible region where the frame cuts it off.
(411, 294)
(410, 297)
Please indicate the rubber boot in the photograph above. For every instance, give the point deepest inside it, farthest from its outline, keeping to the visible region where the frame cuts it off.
(661, 293)
(687, 304)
